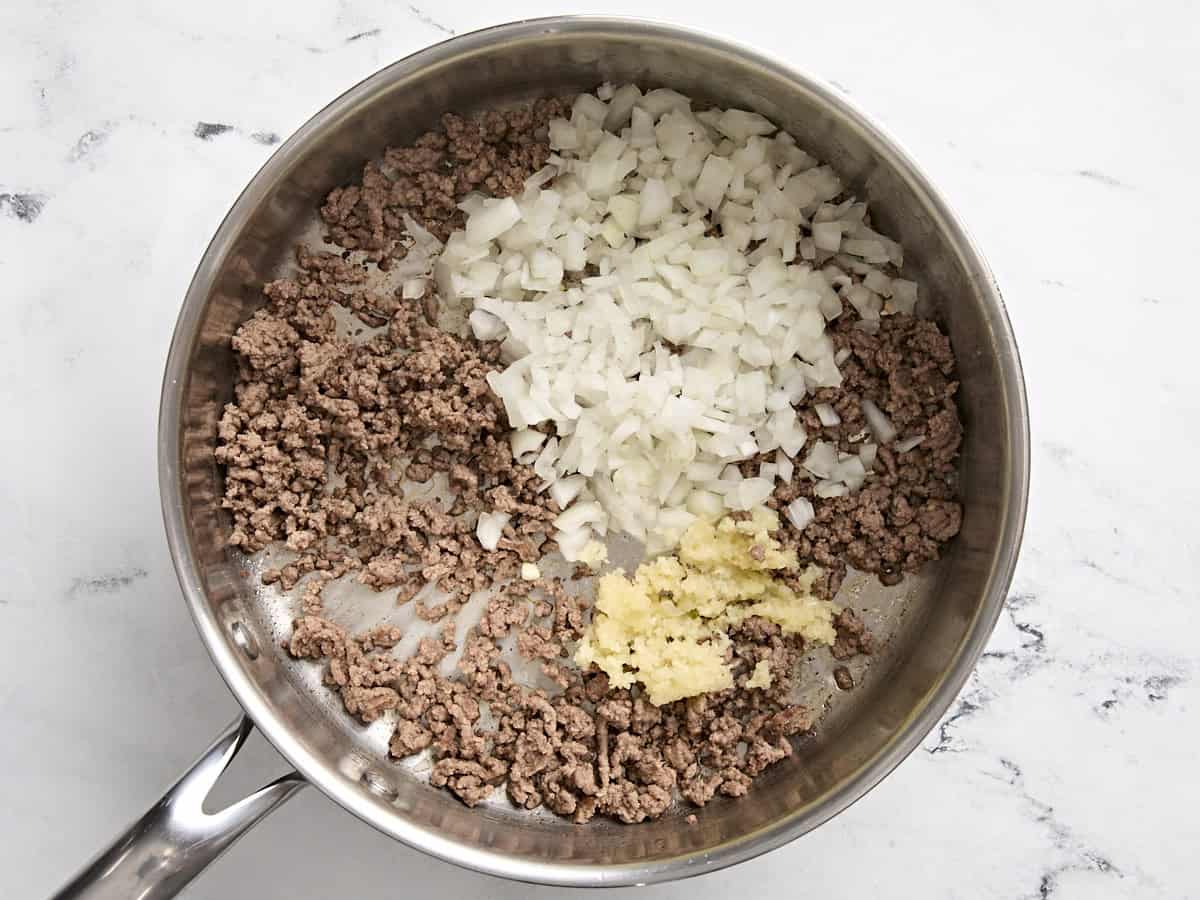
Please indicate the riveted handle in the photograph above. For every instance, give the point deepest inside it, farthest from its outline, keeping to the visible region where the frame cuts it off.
(176, 839)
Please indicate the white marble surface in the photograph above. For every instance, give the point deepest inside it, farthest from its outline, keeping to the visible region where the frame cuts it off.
(1065, 133)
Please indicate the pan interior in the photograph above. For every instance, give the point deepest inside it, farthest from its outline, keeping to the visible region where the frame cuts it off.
(935, 621)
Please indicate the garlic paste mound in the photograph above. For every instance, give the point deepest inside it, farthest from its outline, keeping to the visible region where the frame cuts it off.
(666, 626)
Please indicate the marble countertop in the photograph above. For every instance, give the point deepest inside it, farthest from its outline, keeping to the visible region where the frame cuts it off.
(1066, 134)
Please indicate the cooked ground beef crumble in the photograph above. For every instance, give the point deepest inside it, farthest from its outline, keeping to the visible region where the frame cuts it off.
(324, 430)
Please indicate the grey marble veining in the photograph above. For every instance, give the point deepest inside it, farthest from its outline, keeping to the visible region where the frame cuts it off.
(1067, 136)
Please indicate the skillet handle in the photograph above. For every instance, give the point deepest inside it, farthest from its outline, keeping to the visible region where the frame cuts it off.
(176, 839)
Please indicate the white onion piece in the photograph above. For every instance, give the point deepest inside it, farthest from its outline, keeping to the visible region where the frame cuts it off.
(828, 489)
(878, 282)
(525, 443)
(572, 543)
(543, 466)
(871, 251)
(621, 106)
(641, 128)
(827, 236)
(785, 467)
(495, 218)
(749, 493)
(663, 100)
(485, 326)
(822, 459)
(490, 528)
(588, 106)
(881, 425)
(713, 181)
(851, 472)
(865, 302)
(704, 471)
(904, 296)
(655, 202)
(542, 176)
(706, 504)
(564, 490)
(738, 125)
(424, 239)
(579, 515)
(827, 414)
(800, 512)
(909, 443)
(867, 453)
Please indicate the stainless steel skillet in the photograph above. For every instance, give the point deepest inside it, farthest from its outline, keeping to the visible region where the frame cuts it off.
(938, 623)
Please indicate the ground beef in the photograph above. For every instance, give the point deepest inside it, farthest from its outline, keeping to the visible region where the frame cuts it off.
(842, 678)
(308, 408)
(589, 750)
(363, 677)
(322, 429)
(852, 636)
(493, 153)
(909, 505)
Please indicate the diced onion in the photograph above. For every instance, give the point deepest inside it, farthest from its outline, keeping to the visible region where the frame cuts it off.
(660, 291)
(800, 512)
(904, 296)
(828, 489)
(525, 444)
(827, 236)
(822, 459)
(881, 425)
(706, 504)
(867, 453)
(851, 472)
(495, 218)
(490, 528)
(564, 490)
(485, 326)
(578, 515)
(784, 467)
(826, 413)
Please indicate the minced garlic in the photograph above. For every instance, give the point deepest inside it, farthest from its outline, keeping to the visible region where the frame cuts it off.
(667, 626)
